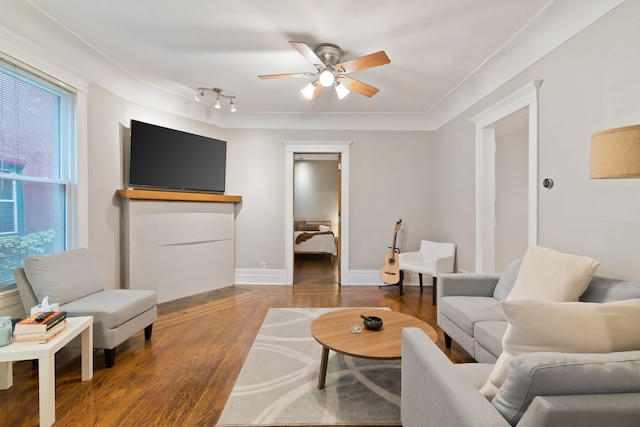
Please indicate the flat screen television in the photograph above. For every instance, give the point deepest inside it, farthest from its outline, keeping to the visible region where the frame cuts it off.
(167, 159)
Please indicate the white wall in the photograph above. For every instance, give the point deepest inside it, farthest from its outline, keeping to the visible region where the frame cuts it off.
(590, 83)
(108, 120)
(315, 191)
(390, 178)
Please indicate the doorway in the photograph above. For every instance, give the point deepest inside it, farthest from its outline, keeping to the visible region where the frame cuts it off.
(316, 198)
(317, 147)
(526, 98)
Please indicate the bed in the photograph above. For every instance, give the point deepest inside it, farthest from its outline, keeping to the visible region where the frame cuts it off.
(314, 237)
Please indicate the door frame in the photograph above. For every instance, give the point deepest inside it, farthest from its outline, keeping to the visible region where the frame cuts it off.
(297, 147)
(525, 97)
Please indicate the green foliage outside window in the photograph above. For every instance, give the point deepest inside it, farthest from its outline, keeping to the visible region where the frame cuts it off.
(13, 248)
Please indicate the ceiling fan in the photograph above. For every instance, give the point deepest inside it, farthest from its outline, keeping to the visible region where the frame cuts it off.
(331, 72)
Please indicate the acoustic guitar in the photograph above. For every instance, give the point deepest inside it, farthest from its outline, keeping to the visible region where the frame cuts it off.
(390, 273)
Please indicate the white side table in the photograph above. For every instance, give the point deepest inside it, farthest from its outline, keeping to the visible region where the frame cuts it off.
(45, 353)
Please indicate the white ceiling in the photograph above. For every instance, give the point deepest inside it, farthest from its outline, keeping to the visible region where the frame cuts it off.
(438, 50)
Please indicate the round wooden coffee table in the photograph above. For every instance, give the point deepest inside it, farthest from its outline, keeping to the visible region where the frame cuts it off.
(333, 331)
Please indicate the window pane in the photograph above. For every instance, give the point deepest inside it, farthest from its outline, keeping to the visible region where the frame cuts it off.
(35, 128)
(30, 116)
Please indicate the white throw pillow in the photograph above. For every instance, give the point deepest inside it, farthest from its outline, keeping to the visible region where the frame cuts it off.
(324, 228)
(549, 275)
(565, 327)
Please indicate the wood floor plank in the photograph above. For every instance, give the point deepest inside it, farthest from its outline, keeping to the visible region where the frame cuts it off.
(185, 373)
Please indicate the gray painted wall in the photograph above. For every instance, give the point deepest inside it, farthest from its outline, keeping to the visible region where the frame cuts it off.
(589, 84)
(390, 178)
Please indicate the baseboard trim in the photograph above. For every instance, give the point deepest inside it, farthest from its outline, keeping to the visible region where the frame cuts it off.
(258, 276)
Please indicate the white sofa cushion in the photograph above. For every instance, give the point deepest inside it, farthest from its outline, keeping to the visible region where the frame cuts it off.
(550, 275)
(559, 374)
(570, 327)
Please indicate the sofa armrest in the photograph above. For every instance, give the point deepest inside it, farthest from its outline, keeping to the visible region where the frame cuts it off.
(435, 393)
(586, 410)
(467, 284)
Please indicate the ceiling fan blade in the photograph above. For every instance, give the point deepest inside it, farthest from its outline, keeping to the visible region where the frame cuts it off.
(359, 87)
(362, 63)
(316, 93)
(308, 53)
(285, 76)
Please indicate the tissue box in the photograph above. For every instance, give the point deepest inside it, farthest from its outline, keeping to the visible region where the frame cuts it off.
(53, 307)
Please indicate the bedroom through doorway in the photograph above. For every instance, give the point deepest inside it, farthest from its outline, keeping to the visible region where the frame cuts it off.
(316, 213)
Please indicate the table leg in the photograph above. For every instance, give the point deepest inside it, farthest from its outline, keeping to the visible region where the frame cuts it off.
(323, 367)
(87, 353)
(6, 375)
(47, 392)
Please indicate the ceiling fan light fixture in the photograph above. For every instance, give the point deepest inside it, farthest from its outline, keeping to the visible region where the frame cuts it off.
(308, 90)
(217, 104)
(326, 78)
(199, 95)
(232, 106)
(341, 91)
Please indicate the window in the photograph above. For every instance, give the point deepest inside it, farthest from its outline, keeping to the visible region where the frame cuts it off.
(37, 152)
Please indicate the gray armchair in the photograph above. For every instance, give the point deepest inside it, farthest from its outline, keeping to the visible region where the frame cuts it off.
(72, 279)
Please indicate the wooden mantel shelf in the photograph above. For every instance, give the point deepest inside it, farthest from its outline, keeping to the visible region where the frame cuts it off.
(177, 196)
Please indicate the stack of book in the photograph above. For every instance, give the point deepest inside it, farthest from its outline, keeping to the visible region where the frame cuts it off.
(40, 327)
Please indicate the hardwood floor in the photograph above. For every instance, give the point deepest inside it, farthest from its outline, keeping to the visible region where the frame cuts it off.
(184, 374)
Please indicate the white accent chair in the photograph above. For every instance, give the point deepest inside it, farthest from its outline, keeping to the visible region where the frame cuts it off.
(433, 258)
(73, 280)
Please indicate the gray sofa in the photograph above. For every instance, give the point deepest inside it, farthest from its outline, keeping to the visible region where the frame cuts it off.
(541, 388)
(545, 389)
(469, 309)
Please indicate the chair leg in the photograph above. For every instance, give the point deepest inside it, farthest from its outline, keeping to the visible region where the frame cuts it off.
(447, 341)
(110, 356)
(434, 290)
(420, 276)
(147, 332)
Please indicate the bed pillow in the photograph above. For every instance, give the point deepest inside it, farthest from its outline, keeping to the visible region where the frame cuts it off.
(324, 228)
(566, 327)
(549, 275)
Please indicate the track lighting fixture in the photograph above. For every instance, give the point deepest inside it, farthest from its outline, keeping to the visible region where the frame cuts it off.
(219, 94)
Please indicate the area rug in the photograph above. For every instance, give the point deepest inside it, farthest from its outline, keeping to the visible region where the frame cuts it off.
(278, 383)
